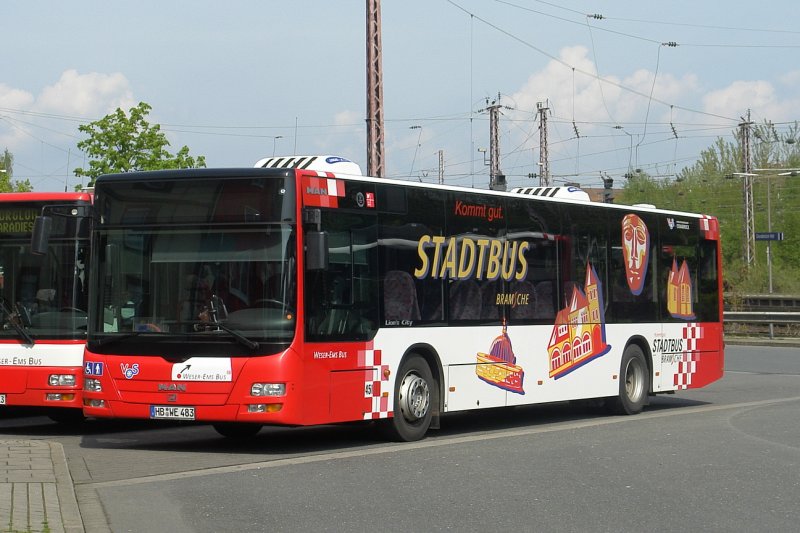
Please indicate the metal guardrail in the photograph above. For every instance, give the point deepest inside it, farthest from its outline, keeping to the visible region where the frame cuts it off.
(763, 302)
(762, 317)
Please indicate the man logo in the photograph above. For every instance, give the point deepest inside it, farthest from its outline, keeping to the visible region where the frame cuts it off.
(164, 387)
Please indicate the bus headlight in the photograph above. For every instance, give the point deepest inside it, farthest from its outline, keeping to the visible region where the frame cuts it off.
(62, 380)
(268, 389)
(92, 385)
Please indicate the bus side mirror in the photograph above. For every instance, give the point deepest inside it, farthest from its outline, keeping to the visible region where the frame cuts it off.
(42, 227)
(316, 250)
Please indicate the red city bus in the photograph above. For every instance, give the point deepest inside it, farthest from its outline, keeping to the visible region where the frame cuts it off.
(296, 294)
(44, 302)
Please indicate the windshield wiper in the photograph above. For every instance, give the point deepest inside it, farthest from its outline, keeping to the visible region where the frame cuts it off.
(235, 334)
(13, 319)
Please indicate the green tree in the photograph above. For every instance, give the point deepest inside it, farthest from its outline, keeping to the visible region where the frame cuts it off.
(121, 142)
(711, 186)
(7, 172)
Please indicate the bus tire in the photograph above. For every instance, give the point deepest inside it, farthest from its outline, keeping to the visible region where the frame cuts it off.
(237, 430)
(414, 396)
(634, 382)
(66, 416)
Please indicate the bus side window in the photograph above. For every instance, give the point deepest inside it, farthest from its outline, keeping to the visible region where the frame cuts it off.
(708, 302)
(342, 300)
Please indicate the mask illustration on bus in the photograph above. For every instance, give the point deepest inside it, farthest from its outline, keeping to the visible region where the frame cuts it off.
(636, 251)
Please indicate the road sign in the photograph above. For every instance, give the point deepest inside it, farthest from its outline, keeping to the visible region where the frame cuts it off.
(769, 236)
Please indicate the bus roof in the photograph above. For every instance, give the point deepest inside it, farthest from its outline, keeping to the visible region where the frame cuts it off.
(45, 197)
(322, 163)
(269, 167)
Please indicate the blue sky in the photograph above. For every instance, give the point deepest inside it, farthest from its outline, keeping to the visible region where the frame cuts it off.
(236, 80)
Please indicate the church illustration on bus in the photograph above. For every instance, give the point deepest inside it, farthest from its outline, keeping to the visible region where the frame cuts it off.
(579, 332)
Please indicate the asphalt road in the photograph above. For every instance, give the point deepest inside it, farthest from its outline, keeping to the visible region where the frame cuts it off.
(723, 458)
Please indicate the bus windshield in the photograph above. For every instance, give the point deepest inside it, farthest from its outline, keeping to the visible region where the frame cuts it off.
(43, 295)
(196, 283)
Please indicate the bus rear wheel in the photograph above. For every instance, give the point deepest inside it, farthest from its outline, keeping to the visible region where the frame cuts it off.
(414, 396)
(634, 382)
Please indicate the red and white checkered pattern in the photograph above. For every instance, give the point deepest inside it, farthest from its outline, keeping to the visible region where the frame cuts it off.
(710, 227)
(322, 191)
(687, 366)
(686, 369)
(692, 332)
(377, 385)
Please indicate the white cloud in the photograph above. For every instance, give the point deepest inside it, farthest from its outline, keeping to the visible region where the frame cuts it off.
(348, 118)
(791, 78)
(759, 96)
(89, 96)
(14, 98)
(730, 101)
(595, 101)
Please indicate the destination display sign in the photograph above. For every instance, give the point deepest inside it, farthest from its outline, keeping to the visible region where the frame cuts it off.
(17, 220)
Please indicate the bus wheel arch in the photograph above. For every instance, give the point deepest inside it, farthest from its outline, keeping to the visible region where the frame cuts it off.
(634, 379)
(417, 395)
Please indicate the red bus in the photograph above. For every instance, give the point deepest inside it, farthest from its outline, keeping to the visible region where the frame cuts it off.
(294, 294)
(44, 302)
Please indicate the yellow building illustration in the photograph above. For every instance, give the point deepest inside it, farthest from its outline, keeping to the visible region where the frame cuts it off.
(679, 292)
(579, 334)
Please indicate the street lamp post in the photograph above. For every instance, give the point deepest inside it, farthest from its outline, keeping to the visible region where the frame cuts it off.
(275, 140)
(419, 137)
(786, 172)
(747, 175)
(768, 173)
(769, 242)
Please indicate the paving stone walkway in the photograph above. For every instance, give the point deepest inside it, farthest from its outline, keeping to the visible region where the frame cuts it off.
(36, 491)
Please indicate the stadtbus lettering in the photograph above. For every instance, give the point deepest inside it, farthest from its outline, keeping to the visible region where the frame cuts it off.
(468, 258)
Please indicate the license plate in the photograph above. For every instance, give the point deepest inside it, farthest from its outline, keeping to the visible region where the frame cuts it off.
(2, 399)
(171, 412)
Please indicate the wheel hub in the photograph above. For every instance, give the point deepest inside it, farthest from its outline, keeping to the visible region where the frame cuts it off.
(634, 380)
(415, 397)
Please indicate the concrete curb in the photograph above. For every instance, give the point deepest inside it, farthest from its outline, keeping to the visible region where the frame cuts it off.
(70, 513)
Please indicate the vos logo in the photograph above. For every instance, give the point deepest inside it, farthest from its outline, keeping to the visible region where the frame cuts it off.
(129, 370)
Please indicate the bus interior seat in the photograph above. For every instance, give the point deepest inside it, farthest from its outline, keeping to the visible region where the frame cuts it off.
(545, 308)
(489, 308)
(465, 300)
(524, 311)
(400, 296)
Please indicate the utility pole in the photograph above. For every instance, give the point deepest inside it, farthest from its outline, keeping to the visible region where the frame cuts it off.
(497, 181)
(544, 159)
(375, 156)
(747, 171)
(441, 167)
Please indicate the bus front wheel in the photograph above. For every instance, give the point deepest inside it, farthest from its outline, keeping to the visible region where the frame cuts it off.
(634, 382)
(66, 416)
(237, 430)
(414, 397)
